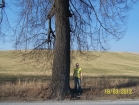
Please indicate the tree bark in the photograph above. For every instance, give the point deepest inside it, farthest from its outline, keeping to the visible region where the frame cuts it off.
(61, 62)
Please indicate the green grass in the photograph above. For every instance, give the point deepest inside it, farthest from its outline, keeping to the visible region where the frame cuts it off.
(93, 64)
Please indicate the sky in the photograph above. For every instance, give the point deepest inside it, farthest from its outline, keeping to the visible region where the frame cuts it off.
(129, 43)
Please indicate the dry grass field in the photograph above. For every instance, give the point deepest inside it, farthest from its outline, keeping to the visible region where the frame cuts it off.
(103, 71)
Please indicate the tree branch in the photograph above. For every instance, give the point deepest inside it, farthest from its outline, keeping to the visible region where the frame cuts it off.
(51, 12)
(3, 4)
(92, 7)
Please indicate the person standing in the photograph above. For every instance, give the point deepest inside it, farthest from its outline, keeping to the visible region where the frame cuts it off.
(77, 75)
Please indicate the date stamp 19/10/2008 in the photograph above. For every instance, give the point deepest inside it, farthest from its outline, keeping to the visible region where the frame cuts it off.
(115, 91)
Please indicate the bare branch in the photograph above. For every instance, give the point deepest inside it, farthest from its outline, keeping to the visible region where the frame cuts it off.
(50, 32)
(51, 12)
(3, 4)
(92, 7)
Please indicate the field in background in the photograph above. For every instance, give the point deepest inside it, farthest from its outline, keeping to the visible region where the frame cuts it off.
(101, 70)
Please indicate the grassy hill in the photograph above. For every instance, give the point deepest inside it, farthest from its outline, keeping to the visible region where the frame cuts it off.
(92, 64)
(111, 63)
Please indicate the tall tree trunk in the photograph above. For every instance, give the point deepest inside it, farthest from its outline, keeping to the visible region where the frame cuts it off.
(61, 62)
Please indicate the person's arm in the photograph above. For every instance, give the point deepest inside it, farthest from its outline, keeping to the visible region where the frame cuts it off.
(81, 74)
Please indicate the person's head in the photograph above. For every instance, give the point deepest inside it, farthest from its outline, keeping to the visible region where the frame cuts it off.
(77, 65)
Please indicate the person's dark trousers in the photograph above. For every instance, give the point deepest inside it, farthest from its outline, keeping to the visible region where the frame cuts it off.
(77, 85)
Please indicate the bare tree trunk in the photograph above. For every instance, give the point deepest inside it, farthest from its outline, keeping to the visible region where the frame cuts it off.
(61, 63)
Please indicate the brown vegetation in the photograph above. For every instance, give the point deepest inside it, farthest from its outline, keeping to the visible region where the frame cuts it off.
(93, 89)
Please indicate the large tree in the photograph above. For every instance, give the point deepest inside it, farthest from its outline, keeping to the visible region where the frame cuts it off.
(65, 25)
